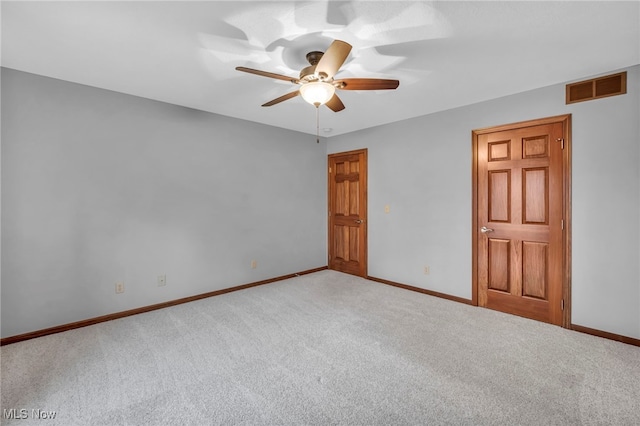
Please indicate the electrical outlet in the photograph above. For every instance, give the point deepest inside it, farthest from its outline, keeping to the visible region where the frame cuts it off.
(120, 287)
(254, 264)
(387, 208)
(426, 270)
(162, 280)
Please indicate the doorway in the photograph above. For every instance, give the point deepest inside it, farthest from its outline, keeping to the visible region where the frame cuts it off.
(522, 219)
(348, 212)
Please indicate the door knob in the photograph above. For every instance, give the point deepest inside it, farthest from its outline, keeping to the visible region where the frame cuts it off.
(359, 221)
(484, 230)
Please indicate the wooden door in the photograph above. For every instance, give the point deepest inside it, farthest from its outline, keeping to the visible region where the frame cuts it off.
(348, 212)
(521, 223)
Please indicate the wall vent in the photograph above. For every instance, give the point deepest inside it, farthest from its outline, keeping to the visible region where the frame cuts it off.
(601, 87)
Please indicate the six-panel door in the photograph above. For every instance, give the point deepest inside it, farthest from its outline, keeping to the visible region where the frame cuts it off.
(520, 221)
(348, 212)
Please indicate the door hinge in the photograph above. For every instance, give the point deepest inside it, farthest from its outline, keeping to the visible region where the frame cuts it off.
(561, 140)
(562, 304)
(329, 169)
(562, 223)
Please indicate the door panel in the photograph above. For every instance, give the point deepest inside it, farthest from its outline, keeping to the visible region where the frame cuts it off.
(348, 212)
(500, 195)
(519, 209)
(534, 269)
(499, 265)
(535, 195)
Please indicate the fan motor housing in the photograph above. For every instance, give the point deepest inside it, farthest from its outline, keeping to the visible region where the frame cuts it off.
(308, 73)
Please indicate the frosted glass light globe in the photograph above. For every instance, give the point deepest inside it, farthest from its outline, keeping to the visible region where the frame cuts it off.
(317, 92)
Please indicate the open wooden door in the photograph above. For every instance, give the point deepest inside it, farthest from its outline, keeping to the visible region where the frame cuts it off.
(521, 219)
(348, 212)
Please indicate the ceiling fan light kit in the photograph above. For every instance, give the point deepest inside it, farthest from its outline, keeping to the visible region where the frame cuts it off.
(318, 92)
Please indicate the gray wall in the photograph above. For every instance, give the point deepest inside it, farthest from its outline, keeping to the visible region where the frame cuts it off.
(421, 168)
(99, 187)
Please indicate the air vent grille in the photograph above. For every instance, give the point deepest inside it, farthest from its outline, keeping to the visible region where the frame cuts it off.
(610, 85)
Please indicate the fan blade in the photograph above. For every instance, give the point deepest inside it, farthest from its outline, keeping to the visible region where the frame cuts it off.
(366, 84)
(332, 59)
(268, 74)
(282, 98)
(335, 104)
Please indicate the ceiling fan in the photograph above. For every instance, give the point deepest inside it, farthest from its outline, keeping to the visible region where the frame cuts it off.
(317, 85)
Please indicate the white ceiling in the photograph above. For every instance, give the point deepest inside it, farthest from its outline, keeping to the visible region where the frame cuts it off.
(445, 54)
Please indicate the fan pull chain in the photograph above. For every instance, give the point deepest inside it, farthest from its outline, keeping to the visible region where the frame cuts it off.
(317, 123)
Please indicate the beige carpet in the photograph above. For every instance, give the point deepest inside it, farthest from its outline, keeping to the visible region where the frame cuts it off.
(320, 349)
